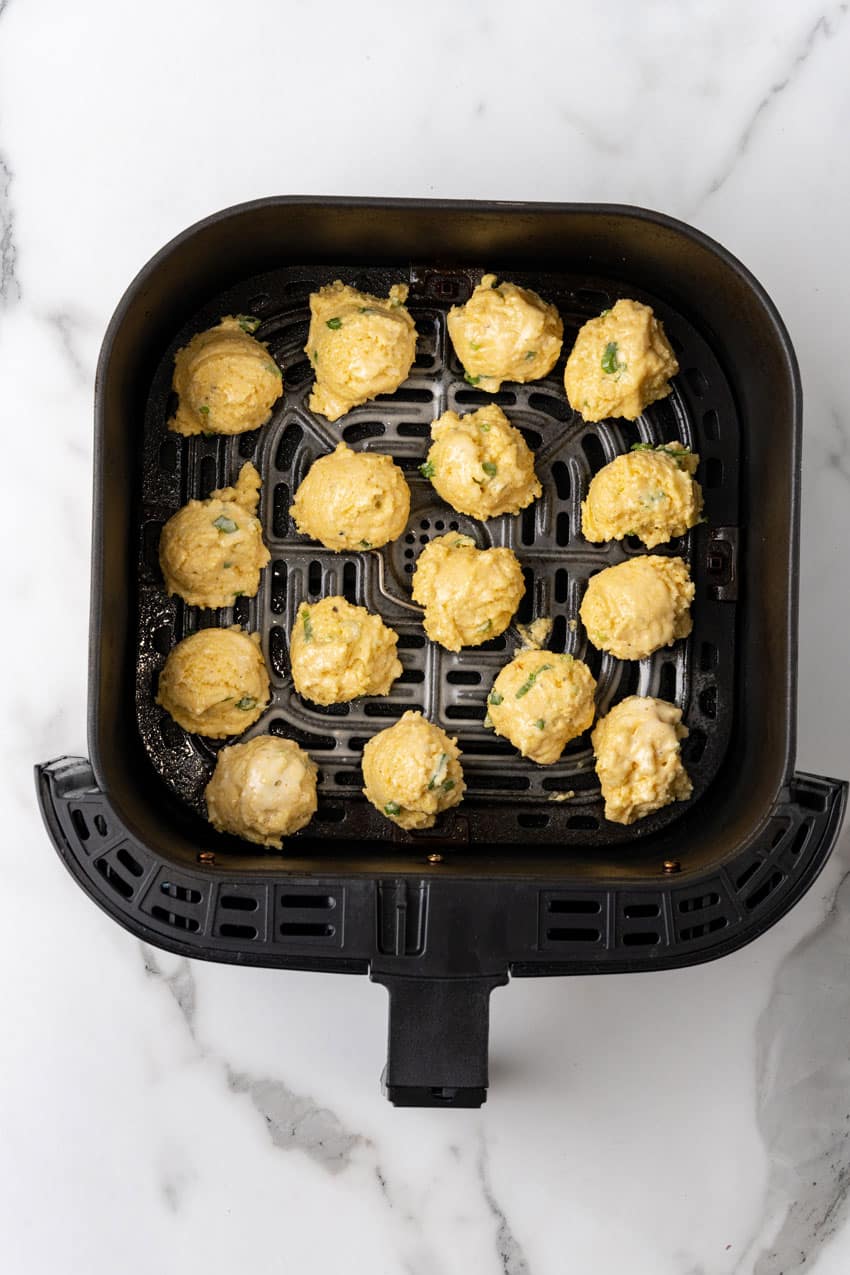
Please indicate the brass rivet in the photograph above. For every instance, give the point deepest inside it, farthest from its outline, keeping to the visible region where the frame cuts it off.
(435, 858)
(206, 856)
(672, 865)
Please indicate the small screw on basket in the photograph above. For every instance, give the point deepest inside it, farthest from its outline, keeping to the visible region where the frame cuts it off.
(672, 865)
(435, 858)
(206, 856)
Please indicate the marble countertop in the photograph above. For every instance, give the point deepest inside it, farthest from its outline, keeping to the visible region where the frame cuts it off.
(157, 1114)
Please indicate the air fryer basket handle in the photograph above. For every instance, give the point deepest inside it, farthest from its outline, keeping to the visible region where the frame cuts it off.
(438, 1039)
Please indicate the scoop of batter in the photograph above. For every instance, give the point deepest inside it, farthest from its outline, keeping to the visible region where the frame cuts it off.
(480, 464)
(621, 362)
(262, 790)
(505, 333)
(469, 594)
(540, 701)
(649, 493)
(339, 651)
(215, 682)
(211, 551)
(412, 772)
(226, 382)
(638, 758)
(359, 345)
(352, 500)
(638, 606)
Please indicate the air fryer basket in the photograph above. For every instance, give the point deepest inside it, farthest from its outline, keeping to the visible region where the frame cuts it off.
(515, 880)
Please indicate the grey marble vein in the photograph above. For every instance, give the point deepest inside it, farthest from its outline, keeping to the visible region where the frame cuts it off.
(803, 1082)
(511, 1255)
(823, 28)
(838, 457)
(65, 327)
(10, 288)
(295, 1122)
(181, 984)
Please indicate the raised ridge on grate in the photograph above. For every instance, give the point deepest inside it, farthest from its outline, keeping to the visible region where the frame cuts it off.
(507, 795)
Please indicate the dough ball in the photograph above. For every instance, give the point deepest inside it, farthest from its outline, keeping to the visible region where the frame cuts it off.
(649, 493)
(360, 346)
(339, 651)
(215, 682)
(621, 362)
(211, 551)
(226, 381)
(412, 772)
(262, 790)
(638, 758)
(469, 594)
(505, 333)
(638, 606)
(540, 701)
(352, 500)
(480, 465)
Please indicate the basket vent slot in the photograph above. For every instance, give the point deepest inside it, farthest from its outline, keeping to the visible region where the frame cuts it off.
(175, 919)
(575, 907)
(644, 938)
(573, 934)
(113, 879)
(699, 902)
(288, 446)
(700, 930)
(309, 914)
(763, 892)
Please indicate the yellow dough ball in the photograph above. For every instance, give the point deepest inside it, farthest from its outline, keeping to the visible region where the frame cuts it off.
(638, 759)
(211, 551)
(469, 594)
(638, 606)
(412, 772)
(649, 493)
(505, 333)
(480, 465)
(352, 500)
(540, 701)
(262, 790)
(339, 651)
(360, 346)
(621, 362)
(215, 682)
(226, 382)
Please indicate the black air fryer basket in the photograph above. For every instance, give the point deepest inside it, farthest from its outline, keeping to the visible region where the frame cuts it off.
(525, 877)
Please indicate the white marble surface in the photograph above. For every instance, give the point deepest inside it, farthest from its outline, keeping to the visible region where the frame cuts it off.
(157, 1115)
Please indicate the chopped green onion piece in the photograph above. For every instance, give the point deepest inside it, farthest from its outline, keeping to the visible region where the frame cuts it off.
(485, 627)
(205, 411)
(490, 469)
(246, 702)
(488, 721)
(473, 346)
(392, 808)
(642, 447)
(531, 679)
(226, 565)
(495, 698)
(364, 309)
(531, 354)
(427, 469)
(365, 544)
(484, 427)
(604, 312)
(207, 433)
(438, 772)
(333, 324)
(471, 380)
(448, 785)
(308, 625)
(247, 322)
(225, 524)
(274, 369)
(610, 361)
(540, 723)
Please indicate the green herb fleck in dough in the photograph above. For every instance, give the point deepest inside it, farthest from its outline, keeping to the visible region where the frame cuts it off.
(204, 410)
(334, 323)
(610, 362)
(473, 346)
(495, 698)
(488, 721)
(437, 776)
(225, 524)
(531, 354)
(392, 808)
(365, 309)
(471, 380)
(308, 625)
(364, 544)
(246, 703)
(604, 312)
(226, 565)
(274, 369)
(484, 427)
(490, 469)
(642, 447)
(427, 469)
(247, 322)
(448, 785)
(530, 680)
(540, 723)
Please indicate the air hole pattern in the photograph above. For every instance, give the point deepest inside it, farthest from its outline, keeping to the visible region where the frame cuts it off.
(451, 689)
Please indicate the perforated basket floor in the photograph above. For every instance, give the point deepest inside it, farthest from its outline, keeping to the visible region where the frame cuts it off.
(507, 795)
